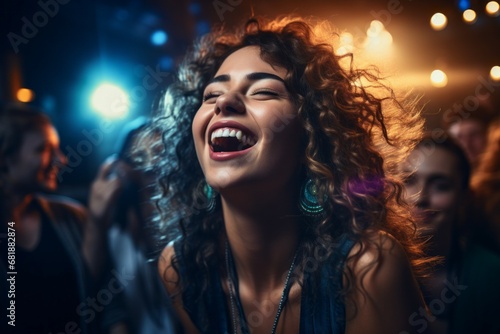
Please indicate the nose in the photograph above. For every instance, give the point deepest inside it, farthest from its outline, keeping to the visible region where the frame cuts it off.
(58, 157)
(229, 102)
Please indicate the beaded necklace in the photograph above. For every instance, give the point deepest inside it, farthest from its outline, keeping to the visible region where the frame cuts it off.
(234, 295)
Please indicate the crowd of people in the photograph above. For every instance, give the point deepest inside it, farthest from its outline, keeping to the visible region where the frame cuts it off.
(269, 192)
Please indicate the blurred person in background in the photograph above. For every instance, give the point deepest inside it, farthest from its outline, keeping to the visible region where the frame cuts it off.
(486, 184)
(59, 246)
(144, 302)
(470, 131)
(462, 292)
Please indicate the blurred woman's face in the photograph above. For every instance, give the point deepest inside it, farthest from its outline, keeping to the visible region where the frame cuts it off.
(247, 130)
(35, 166)
(434, 187)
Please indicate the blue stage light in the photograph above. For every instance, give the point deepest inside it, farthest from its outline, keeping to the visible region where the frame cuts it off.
(463, 4)
(110, 101)
(159, 37)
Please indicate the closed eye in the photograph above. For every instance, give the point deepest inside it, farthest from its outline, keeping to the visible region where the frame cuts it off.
(266, 93)
(210, 97)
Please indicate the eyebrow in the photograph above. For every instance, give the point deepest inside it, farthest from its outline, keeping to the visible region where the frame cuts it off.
(251, 76)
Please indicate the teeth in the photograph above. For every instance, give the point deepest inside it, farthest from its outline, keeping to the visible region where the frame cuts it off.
(227, 132)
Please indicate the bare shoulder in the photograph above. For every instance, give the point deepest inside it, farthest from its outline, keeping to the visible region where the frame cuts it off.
(384, 292)
(379, 253)
(170, 279)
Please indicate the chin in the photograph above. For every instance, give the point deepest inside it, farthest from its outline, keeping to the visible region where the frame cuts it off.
(219, 179)
(49, 186)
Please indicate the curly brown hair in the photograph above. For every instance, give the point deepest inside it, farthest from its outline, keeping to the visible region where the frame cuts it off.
(355, 135)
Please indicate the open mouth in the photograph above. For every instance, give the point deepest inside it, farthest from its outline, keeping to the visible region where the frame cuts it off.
(231, 140)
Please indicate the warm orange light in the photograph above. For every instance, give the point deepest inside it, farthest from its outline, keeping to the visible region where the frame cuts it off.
(495, 73)
(346, 44)
(25, 95)
(469, 16)
(493, 8)
(346, 38)
(439, 79)
(376, 27)
(438, 21)
(378, 38)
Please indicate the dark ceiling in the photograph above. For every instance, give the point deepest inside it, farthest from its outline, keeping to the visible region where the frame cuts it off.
(82, 40)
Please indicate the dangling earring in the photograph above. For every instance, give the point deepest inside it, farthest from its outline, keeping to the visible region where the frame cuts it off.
(211, 196)
(308, 201)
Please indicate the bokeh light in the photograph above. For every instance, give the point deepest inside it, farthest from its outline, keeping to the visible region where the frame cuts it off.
(493, 8)
(110, 101)
(159, 37)
(378, 38)
(376, 27)
(438, 21)
(346, 44)
(439, 79)
(25, 95)
(495, 73)
(469, 16)
(346, 38)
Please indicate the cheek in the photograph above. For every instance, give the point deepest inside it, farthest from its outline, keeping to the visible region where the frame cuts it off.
(200, 121)
(198, 128)
(479, 143)
(46, 160)
(281, 129)
(445, 201)
(278, 120)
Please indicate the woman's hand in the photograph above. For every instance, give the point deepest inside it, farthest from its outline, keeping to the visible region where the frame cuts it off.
(106, 188)
(104, 193)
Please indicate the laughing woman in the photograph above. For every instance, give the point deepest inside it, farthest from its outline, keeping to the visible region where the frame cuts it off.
(280, 193)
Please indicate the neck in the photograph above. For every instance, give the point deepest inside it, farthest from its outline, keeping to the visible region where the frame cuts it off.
(263, 235)
(15, 206)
